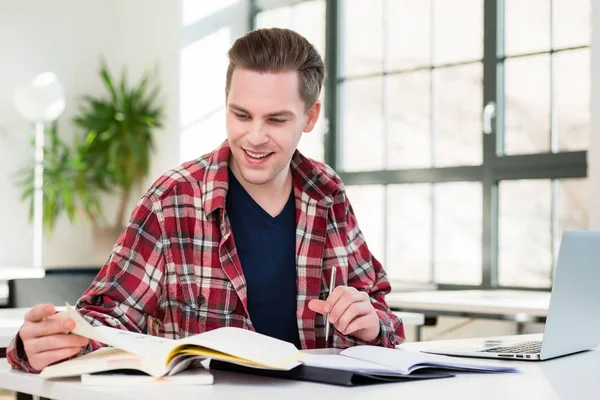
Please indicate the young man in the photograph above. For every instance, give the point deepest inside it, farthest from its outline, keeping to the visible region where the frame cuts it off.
(246, 236)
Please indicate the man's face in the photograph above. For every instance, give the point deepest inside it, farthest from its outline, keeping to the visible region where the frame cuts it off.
(265, 120)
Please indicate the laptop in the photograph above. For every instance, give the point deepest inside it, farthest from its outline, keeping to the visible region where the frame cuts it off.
(572, 323)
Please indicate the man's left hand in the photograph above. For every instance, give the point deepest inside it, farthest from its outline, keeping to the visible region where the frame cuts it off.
(351, 312)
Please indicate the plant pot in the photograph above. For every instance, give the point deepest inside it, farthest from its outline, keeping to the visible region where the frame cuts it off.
(105, 238)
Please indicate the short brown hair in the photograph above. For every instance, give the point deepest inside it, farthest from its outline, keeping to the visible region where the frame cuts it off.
(275, 50)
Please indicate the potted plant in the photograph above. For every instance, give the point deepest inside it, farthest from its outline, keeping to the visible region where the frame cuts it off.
(111, 155)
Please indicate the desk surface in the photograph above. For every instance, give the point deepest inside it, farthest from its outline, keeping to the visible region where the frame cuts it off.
(571, 377)
(10, 273)
(501, 302)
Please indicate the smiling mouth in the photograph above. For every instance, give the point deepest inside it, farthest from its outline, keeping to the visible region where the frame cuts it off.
(257, 156)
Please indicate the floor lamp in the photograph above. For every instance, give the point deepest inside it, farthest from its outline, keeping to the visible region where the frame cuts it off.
(40, 101)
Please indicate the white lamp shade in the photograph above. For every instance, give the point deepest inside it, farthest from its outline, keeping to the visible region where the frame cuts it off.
(41, 100)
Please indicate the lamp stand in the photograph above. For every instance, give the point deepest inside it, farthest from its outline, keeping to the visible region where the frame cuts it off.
(38, 196)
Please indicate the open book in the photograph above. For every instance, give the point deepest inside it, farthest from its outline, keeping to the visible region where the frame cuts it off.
(161, 357)
(250, 352)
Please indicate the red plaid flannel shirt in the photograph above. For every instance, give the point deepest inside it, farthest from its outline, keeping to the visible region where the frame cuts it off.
(175, 272)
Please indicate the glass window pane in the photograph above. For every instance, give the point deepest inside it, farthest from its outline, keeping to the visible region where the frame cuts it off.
(573, 204)
(193, 11)
(309, 21)
(409, 42)
(361, 132)
(527, 107)
(573, 82)
(458, 222)
(409, 144)
(458, 31)
(458, 141)
(280, 17)
(368, 203)
(409, 232)
(525, 240)
(527, 27)
(573, 23)
(362, 37)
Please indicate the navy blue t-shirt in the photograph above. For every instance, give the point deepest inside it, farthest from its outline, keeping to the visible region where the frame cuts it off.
(266, 247)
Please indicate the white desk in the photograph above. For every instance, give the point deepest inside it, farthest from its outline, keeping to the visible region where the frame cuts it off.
(571, 377)
(516, 305)
(501, 302)
(10, 273)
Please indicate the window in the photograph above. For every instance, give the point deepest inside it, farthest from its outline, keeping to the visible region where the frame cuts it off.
(461, 129)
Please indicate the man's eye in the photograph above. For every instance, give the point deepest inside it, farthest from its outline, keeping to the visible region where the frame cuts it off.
(278, 121)
(242, 116)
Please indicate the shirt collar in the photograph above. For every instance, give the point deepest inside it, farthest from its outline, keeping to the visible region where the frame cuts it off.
(308, 177)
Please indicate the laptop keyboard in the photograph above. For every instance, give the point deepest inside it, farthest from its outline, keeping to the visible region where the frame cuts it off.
(521, 348)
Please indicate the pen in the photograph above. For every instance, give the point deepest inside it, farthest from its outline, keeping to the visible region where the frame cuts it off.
(331, 287)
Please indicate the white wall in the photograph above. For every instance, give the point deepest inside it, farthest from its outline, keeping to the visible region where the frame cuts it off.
(594, 151)
(148, 34)
(67, 37)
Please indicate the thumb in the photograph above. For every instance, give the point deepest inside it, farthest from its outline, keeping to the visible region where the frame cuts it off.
(39, 312)
(317, 306)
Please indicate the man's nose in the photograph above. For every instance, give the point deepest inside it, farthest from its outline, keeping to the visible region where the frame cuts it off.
(257, 136)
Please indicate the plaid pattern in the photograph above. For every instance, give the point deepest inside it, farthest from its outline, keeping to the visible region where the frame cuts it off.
(175, 272)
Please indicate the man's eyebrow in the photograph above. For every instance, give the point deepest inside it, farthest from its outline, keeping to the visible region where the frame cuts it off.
(238, 108)
(282, 113)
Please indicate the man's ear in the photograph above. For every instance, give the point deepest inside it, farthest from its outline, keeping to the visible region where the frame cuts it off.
(313, 116)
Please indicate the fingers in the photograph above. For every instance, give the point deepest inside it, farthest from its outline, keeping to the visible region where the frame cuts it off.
(359, 323)
(335, 296)
(39, 312)
(54, 342)
(354, 311)
(58, 323)
(317, 306)
(40, 361)
(346, 296)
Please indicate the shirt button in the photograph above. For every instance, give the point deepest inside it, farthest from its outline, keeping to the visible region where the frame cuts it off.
(200, 299)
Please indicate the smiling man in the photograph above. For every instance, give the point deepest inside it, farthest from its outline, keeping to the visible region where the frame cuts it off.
(246, 236)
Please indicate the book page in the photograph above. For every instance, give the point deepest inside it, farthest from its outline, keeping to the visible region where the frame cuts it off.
(142, 345)
(405, 361)
(247, 345)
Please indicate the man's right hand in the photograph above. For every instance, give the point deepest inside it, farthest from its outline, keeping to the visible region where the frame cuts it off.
(46, 336)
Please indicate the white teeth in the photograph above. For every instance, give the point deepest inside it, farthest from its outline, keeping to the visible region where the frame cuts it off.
(257, 155)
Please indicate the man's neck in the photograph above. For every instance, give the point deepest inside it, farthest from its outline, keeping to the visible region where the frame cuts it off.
(271, 196)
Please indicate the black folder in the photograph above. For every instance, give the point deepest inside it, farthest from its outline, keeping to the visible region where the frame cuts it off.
(330, 376)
